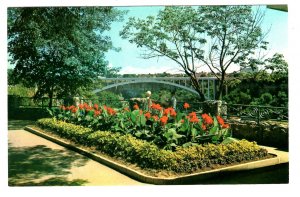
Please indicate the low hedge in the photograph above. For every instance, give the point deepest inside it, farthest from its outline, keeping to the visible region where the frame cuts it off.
(148, 155)
(73, 132)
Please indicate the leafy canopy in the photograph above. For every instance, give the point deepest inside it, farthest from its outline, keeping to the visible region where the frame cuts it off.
(59, 49)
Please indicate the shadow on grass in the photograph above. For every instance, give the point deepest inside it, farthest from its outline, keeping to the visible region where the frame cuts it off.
(26, 165)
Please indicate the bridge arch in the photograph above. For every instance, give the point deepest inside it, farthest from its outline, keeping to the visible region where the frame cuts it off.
(145, 81)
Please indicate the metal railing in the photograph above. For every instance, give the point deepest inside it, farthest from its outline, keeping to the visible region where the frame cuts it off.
(256, 112)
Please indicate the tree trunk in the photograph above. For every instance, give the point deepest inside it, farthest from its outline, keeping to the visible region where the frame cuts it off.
(196, 86)
(50, 97)
(221, 87)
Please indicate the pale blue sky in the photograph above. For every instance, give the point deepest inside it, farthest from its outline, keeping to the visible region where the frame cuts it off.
(129, 57)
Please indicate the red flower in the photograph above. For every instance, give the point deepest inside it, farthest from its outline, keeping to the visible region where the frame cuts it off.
(87, 107)
(73, 109)
(126, 109)
(96, 106)
(97, 113)
(110, 111)
(148, 115)
(186, 105)
(164, 120)
(155, 117)
(81, 106)
(182, 120)
(220, 120)
(207, 119)
(194, 119)
(170, 111)
(203, 127)
(136, 107)
(192, 114)
(173, 113)
(225, 126)
(156, 106)
(166, 111)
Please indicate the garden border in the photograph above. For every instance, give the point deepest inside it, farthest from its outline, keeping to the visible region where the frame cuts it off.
(156, 180)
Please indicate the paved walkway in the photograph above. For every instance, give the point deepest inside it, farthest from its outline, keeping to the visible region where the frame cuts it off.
(36, 161)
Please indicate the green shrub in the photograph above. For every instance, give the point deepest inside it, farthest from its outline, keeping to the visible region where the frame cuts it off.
(73, 132)
(148, 155)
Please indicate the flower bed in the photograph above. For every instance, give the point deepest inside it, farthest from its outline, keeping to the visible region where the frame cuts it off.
(164, 127)
(148, 155)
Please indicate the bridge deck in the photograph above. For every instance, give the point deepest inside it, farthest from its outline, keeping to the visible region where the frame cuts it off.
(156, 78)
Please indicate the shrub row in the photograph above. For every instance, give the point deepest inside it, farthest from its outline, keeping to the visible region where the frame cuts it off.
(148, 155)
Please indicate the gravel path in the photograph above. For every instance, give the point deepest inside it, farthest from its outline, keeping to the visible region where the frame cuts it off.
(35, 161)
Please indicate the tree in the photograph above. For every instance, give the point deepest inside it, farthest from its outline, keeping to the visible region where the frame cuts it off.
(213, 36)
(59, 49)
(234, 35)
(266, 86)
(169, 35)
(277, 65)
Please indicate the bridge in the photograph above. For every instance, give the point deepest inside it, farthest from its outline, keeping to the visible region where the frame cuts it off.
(208, 84)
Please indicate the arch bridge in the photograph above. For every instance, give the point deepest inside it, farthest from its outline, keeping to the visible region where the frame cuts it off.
(208, 84)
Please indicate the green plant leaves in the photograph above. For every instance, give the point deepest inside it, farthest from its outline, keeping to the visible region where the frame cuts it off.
(179, 129)
(187, 158)
(172, 135)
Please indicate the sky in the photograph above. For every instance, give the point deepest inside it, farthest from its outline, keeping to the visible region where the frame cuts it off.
(129, 57)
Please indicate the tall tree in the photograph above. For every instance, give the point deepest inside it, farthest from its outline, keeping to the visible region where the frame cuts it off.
(213, 36)
(169, 35)
(234, 37)
(59, 49)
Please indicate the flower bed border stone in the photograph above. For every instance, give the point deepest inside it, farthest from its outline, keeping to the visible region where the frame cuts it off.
(182, 179)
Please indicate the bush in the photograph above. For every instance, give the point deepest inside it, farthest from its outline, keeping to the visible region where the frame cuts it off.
(148, 155)
(73, 132)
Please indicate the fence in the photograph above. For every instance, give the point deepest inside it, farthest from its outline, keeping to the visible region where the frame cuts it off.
(256, 112)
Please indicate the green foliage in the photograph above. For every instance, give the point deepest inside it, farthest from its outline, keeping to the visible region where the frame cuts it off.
(277, 65)
(231, 34)
(148, 155)
(59, 49)
(238, 97)
(261, 87)
(20, 90)
(75, 133)
(164, 127)
(110, 98)
(163, 96)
